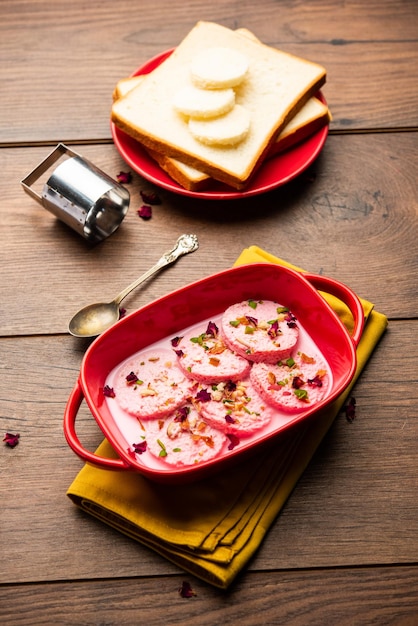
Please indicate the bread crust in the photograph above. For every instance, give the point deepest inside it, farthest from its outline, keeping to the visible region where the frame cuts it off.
(277, 86)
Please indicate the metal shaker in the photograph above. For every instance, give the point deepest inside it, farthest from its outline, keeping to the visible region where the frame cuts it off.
(80, 194)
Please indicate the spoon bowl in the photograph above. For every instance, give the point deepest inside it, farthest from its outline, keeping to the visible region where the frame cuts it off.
(93, 319)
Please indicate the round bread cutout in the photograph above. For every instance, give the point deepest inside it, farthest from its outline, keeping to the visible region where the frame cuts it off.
(203, 103)
(225, 130)
(219, 68)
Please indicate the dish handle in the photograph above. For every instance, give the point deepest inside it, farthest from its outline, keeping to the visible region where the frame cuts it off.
(346, 295)
(70, 414)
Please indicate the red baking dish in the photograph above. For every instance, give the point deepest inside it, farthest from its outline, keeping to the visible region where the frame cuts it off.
(203, 300)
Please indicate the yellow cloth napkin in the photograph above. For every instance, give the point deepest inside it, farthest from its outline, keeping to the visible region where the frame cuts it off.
(213, 527)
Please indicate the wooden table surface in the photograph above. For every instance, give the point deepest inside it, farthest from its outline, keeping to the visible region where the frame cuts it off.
(344, 549)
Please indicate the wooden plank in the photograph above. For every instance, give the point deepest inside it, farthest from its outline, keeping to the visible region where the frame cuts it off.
(352, 217)
(56, 56)
(349, 508)
(295, 598)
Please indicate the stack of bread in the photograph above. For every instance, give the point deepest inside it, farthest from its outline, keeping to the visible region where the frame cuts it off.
(219, 105)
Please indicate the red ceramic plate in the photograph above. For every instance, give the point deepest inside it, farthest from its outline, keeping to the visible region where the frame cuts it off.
(168, 316)
(275, 172)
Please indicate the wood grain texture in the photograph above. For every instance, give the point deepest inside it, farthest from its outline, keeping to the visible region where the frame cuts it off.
(63, 60)
(352, 216)
(348, 509)
(316, 597)
(344, 548)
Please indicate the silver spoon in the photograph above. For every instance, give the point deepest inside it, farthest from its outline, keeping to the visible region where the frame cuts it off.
(95, 318)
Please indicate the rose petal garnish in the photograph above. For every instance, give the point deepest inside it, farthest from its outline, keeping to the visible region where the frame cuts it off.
(291, 320)
(150, 197)
(175, 341)
(182, 414)
(350, 410)
(229, 419)
(315, 382)
(212, 330)
(203, 395)
(122, 313)
(108, 392)
(252, 321)
(297, 382)
(273, 331)
(132, 379)
(124, 177)
(186, 590)
(145, 212)
(11, 439)
(233, 441)
(140, 448)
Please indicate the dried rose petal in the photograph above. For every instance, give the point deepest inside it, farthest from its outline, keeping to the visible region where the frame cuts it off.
(233, 441)
(252, 321)
(315, 382)
(212, 330)
(108, 392)
(11, 440)
(291, 320)
(229, 419)
(132, 379)
(230, 386)
(182, 413)
(297, 382)
(273, 331)
(150, 197)
(175, 341)
(203, 396)
(186, 590)
(124, 177)
(350, 410)
(140, 448)
(122, 313)
(145, 212)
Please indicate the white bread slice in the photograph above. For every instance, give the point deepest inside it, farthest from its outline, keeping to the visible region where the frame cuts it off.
(313, 116)
(185, 175)
(275, 88)
(124, 85)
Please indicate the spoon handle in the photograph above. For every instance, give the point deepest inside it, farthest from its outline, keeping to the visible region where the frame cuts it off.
(184, 245)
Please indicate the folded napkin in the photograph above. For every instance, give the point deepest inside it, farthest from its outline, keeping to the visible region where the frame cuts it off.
(211, 528)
